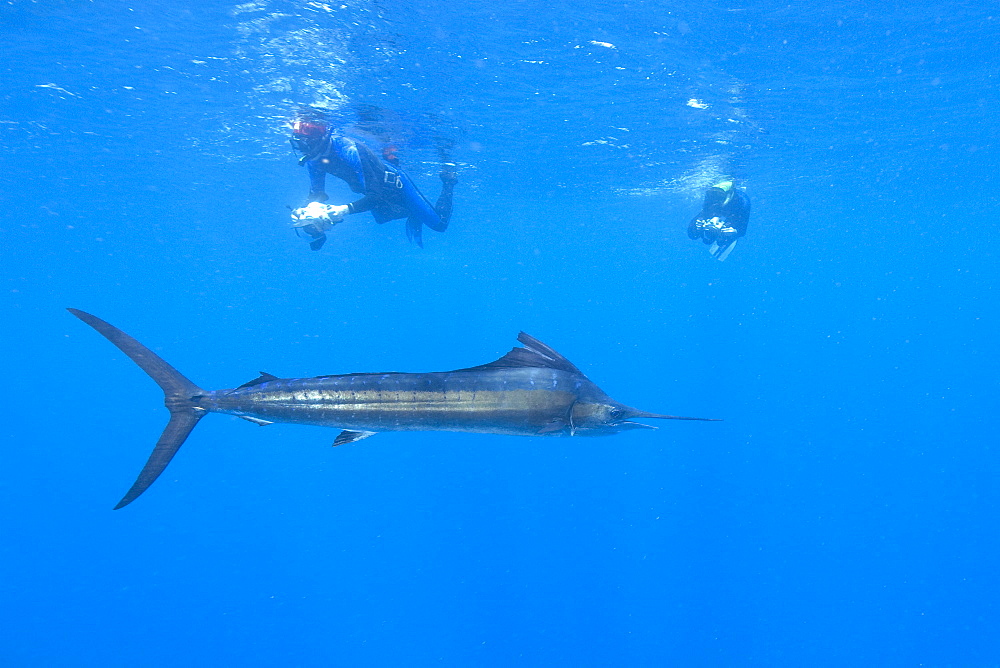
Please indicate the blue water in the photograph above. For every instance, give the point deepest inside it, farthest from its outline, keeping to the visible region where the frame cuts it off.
(844, 513)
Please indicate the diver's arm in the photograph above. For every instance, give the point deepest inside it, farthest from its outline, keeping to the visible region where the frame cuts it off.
(443, 206)
(693, 231)
(362, 205)
(317, 182)
(739, 217)
(739, 223)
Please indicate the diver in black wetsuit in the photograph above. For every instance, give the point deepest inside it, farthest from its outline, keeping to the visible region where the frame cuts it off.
(387, 191)
(723, 219)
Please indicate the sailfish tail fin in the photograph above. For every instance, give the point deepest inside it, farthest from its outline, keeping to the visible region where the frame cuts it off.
(179, 394)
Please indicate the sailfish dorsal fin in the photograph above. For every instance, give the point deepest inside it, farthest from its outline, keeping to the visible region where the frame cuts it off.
(533, 354)
(264, 377)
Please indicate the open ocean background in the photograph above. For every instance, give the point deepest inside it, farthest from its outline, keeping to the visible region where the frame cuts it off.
(843, 514)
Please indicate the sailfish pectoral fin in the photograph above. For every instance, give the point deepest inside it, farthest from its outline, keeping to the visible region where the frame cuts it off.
(348, 436)
(552, 426)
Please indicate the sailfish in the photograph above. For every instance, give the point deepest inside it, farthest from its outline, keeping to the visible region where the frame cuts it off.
(530, 391)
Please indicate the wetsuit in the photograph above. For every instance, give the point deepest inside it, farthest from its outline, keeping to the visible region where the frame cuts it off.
(387, 191)
(731, 206)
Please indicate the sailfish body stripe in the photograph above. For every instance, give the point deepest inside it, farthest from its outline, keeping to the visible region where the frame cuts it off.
(501, 401)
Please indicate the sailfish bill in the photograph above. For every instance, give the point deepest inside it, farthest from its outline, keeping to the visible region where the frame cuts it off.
(530, 391)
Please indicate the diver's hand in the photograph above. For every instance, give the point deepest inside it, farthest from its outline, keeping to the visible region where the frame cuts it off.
(336, 212)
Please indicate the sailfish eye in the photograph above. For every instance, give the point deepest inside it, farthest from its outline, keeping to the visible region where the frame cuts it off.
(615, 414)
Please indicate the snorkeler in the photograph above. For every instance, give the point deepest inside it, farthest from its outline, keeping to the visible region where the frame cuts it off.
(387, 191)
(723, 219)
